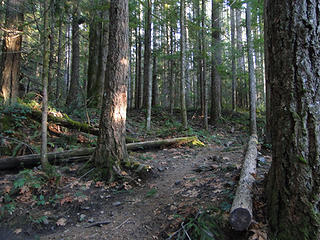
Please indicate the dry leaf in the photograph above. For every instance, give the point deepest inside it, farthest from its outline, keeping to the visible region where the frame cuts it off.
(88, 184)
(18, 230)
(7, 189)
(66, 200)
(61, 222)
(99, 184)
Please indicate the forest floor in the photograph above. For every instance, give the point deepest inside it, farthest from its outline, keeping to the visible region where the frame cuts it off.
(187, 195)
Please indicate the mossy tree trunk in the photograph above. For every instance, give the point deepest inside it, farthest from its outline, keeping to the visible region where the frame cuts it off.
(111, 148)
(293, 47)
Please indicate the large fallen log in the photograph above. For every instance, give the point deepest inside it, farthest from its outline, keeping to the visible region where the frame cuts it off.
(84, 154)
(241, 211)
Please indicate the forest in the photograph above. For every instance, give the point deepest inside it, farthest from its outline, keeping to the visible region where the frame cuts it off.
(160, 119)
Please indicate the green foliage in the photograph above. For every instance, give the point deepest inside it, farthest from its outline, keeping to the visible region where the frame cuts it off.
(13, 116)
(30, 179)
(151, 193)
(207, 225)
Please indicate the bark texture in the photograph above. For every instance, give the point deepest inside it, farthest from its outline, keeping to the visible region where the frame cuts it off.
(183, 66)
(111, 148)
(252, 77)
(293, 46)
(216, 61)
(73, 95)
(12, 51)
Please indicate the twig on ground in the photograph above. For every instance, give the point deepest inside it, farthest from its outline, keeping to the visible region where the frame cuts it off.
(99, 224)
(122, 224)
(173, 234)
(185, 231)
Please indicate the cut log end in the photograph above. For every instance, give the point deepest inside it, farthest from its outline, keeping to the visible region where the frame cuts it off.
(240, 219)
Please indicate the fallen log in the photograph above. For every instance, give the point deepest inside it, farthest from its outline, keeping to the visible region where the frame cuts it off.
(241, 211)
(65, 122)
(84, 154)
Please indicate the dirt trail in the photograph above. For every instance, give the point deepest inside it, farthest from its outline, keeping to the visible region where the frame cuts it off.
(147, 210)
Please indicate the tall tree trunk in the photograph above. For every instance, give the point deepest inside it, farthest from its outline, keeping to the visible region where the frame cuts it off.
(93, 86)
(73, 95)
(240, 62)
(11, 51)
(45, 78)
(171, 97)
(52, 46)
(103, 54)
(252, 77)
(293, 47)
(138, 70)
(59, 61)
(147, 52)
(111, 148)
(267, 76)
(216, 61)
(204, 66)
(183, 68)
(233, 60)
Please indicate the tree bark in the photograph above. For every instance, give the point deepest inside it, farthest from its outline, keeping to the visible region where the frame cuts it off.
(183, 68)
(111, 148)
(233, 60)
(45, 79)
(293, 48)
(216, 62)
(73, 95)
(241, 211)
(147, 52)
(11, 51)
(252, 77)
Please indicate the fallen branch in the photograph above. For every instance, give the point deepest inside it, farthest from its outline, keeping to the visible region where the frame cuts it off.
(241, 211)
(84, 154)
(99, 224)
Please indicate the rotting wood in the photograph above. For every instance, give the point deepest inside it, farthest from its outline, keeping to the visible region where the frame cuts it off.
(84, 154)
(241, 211)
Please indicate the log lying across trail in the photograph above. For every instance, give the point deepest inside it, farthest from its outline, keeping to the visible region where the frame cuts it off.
(85, 153)
(241, 211)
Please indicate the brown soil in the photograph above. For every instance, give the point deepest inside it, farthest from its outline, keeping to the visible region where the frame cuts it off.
(185, 182)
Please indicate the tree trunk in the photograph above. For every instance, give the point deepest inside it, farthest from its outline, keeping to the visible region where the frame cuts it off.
(240, 62)
(171, 97)
(147, 53)
(216, 62)
(11, 51)
(93, 86)
(52, 38)
(183, 68)
(252, 77)
(59, 61)
(73, 95)
(111, 148)
(233, 61)
(45, 78)
(293, 48)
